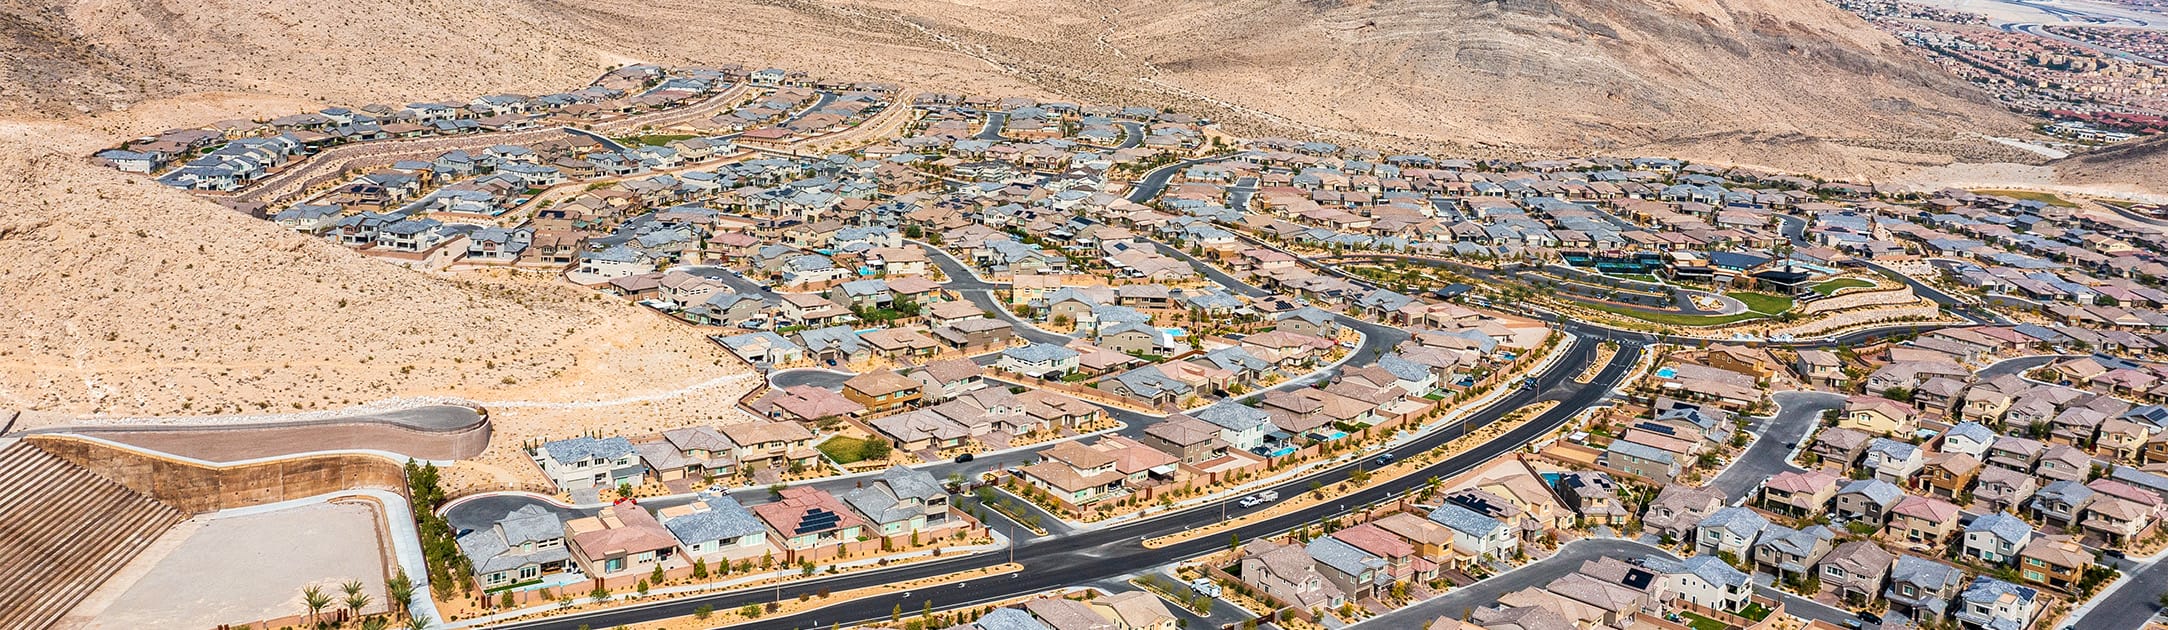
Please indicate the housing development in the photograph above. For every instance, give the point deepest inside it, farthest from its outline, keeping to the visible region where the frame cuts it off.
(1022, 364)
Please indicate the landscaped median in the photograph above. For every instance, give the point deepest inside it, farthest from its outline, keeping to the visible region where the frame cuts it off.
(703, 618)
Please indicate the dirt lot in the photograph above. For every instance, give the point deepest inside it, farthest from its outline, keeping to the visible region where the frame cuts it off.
(209, 570)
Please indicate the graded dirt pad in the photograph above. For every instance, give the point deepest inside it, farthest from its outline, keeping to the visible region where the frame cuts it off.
(210, 571)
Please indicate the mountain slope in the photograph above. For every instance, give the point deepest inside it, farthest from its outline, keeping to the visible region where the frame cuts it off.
(1716, 79)
(123, 297)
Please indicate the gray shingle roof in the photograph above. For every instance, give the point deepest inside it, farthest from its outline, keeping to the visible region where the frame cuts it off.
(580, 448)
(1465, 520)
(2002, 525)
(1343, 557)
(724, 519)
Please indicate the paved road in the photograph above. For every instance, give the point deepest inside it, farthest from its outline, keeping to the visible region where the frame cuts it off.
(428, 418)
(2133, 603)
(1149, 186)
(2019, 365)
(1132, 134)
(1060, 561)
(1568, 560)
(1773, 442)
(994, 122)
(1212, 272)
(1795, 229)
(824, 379)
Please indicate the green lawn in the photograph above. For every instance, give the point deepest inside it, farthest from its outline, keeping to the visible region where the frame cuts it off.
(654, 139)
(2027, 195)
(1636, 276)
(1833, 285)
(1762, 302)
(844, 449)
(1675, 319)
(1698, 622)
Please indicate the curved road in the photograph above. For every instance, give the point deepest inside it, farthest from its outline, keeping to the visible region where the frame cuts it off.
(1055, 562)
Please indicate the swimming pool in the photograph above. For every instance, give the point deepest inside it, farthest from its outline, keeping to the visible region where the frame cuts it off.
(1666, 372)
(1328, 436)
(1280, 452)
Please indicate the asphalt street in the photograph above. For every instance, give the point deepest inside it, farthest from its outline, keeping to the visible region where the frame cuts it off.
(1149, 186)
(1097, 554)
(1774, 438)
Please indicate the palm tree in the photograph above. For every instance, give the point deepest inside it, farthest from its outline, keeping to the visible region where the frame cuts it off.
(400, 589)
(376, 623)
(417, 623)
(316, 600)
(355, 599)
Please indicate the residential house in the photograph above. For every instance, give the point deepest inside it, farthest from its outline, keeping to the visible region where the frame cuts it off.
(1996, 538)
(901, 501)
(1992, 604)
(1678, 508)
(1287, 573)
(586, 462)
(1799, 494)
(1923, 522)
(1856, 570)
(715, 527)
(1731, 529)
(2053, 561)
(882, 391)
(621, 539)
(522, 547)
(1922, 588)
(1866, 501)
(1792, 553)
(807, 519)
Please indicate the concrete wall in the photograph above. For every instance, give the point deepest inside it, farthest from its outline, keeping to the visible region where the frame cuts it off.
(196, 488)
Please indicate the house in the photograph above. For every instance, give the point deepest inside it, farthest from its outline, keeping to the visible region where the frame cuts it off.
(1967, 438)
(1996, 538)
(770, 444)
(1799, 494)
(1731, 529)
(1640, 460)
(687, 453)
(1354, 571)
(1866, 501)
(2061, 503)
(1875, 415)
(1891, 460)
(946, 379)
(1075, 473)
(1921, 587)
(901, 501)
(1187, 438)
(976, 334)
(1240, 426)
(1067, 614)
(1792, 553)
(1404, 560)
(807, 519)
(805, 403)
(1039, 360)
(1855, 571)
(1947, 475)
(523, 547)
(715, 527)
(1704, 581)
(1678, 508)
(1923, 522)
(882, 391)
(2053, 561)
(1992, 604)
(1286, 572)
(586, 462)
(1476, 535)
(618, 540)
(1821, 367)
(1839, 446)
(2002, 490)
(1593, 496)
(1134, 610)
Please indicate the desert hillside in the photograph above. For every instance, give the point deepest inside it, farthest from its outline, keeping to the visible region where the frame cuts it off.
(2138, 163)
(1796, 85)
(123, 297)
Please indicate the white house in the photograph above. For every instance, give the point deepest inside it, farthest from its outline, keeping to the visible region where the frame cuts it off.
(586, 462)
(1474, 533)
(1039, 360)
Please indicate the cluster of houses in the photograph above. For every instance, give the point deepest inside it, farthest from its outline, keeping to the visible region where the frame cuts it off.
(1124, 610)
(538, 547)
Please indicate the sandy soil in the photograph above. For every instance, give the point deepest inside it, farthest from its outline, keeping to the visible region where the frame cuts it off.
(322, 544)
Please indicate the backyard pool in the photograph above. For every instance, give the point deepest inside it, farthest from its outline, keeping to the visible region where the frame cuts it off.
(1666, 372)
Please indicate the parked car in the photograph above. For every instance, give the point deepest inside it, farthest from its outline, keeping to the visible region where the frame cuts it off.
(963, 458)
(1205, 587)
